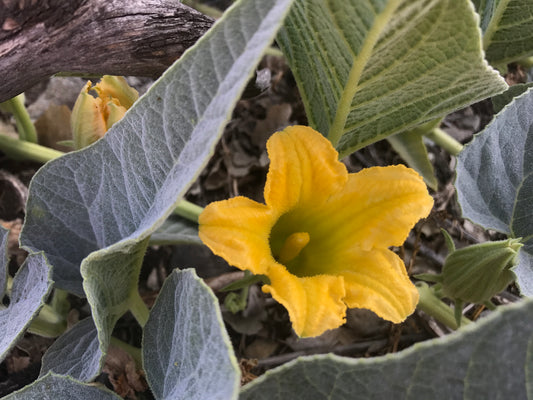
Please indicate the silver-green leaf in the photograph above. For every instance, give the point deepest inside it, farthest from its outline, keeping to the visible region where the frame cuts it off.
(490, 359)
(186, 351)
(495, 180)
(57, 387)
(76, 353)
(31, 286)
(369, 69)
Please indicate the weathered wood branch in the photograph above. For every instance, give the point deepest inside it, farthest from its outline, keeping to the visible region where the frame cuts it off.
(39, 38)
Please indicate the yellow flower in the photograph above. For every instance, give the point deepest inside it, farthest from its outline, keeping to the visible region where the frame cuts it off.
(93, 116)
(323, 236)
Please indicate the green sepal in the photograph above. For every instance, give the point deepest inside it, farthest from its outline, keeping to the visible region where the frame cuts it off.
(435, 278)
(476, 273)
(449, 241)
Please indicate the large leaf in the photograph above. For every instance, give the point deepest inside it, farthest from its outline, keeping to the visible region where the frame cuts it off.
(490, 359)
(56, 387)
(186, 351)
(368, 69)
(76, 353)
(31, 287)
(507, 29)
(97, 207)
(495, 180)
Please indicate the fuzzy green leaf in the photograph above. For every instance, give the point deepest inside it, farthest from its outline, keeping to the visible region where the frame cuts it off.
(186, 351)
(369, 69)
(57, 387)
(507, 29)
(76, 353)
(31, 286)
(487, 360)
(501, 100)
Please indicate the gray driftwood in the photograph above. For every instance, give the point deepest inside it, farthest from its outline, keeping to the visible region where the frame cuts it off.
(39, 38)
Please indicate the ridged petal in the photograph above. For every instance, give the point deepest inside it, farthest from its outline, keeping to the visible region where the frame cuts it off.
(304, 169)
(377, 208)
(377, 280)
(315, 304)
(237, 230)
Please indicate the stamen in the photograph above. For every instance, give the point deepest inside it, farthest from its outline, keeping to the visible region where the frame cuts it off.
(293, 245)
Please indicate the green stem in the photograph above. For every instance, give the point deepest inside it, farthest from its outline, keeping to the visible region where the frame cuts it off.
(133, 351)
(59, 302)
(490, 305)
(20, 149)
(139, 309)
(25, 127)
(48, 323)
(444, 140)
(432, 305)
(188, 210)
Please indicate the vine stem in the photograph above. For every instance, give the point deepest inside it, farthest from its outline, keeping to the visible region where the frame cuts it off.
(188, 210)
(432, 305)
(444, 140)
(21, 149)
(139, 309)
(25, 127)
(48, 323)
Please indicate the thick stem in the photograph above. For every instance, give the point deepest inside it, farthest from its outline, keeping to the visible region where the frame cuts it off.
(25, 127)
(139, 309)
(21, 149)
(432, 305)
(188, 210)
(48, 323)
(444, 140)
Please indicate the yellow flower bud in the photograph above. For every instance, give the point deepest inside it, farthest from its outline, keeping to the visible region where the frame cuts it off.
(93, 116)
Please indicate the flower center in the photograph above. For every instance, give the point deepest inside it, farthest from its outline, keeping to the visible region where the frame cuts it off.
(292, 246)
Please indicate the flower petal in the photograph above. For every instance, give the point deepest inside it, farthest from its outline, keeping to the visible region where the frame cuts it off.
(304, 169)
(377, 280)
(377, 208)
(315, 304)
(237, 230)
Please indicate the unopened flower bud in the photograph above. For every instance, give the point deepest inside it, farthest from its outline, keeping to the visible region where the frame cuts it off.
(93, 116)
(476, 273)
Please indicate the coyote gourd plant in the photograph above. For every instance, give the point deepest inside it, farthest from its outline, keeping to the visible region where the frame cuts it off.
(366, 70)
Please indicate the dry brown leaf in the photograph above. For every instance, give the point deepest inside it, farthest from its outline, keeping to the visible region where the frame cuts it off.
(123, 373)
